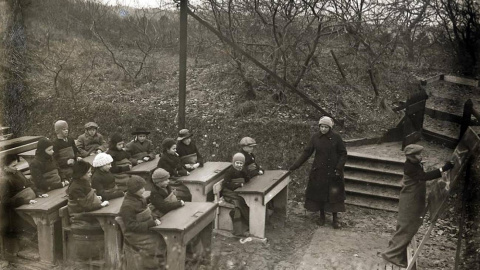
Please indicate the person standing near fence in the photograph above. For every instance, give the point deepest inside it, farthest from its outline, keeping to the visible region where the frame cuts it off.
(326, 187)
(411, 206)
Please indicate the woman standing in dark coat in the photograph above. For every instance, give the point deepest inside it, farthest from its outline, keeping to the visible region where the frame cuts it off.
(326, 187)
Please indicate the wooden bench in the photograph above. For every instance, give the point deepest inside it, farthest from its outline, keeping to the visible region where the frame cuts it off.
(45, 215)
(223, 221)
(272, 185)
(181, 225)
(201, 180)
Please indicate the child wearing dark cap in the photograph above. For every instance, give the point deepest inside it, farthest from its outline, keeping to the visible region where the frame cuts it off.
(65, 152)
(236, 177)
(140, 148)
(83, 198)
(187, 150)
(121, 160)
(170, 161)
(251, 166)
(44, 170)
(412, 203)
(162, 197)
(91, 142)
(137, 220)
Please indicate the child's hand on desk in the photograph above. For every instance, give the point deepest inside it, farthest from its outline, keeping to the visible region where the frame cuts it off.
(32, 202)
(64, 183)
(79, 158)
(260, 172)
(105, 203)
(139, 161)
(146, 158)
(43, 196)
(157, 222)
(98, 152)
(70, 161)
(182, 202)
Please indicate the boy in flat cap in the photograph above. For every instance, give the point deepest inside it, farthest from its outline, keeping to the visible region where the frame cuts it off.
(91, 142)
(412, 203)
(251, 166)
(187, 150)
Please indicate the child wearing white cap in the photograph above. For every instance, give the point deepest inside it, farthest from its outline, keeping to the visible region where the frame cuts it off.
(102, 179)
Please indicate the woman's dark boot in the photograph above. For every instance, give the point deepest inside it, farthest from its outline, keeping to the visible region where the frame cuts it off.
(321, 220)
(335, 223)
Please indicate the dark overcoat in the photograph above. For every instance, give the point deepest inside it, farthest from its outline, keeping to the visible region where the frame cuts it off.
(330, 156)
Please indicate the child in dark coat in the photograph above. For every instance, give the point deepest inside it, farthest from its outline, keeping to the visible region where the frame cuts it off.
(187, 150)
(162, 197)
(121, 160)
(236, 177)
(65, 152)
(251, 167)
(91, 142)
(170, 161)
(103, 181)
(82, 198)
(44, 170)
(140, 148)
(411, 206)
(19, 189)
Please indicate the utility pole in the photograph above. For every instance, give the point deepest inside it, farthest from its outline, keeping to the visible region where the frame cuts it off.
(182, 77)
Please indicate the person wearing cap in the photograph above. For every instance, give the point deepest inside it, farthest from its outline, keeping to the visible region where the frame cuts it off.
(83, 198)
(103, 181)
(44, 170)
(236, 177)
(138, 219)
(140, 148)
(65, 152)
(91, 142)
(251, 166)
(326, 188)
(121, 160)
(411, 206)
(188, 151)
(170, 161)
(162, 197)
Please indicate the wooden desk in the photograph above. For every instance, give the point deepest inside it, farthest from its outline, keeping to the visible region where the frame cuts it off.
(28, 155)
(181, 225)
(201, 180)
(145, 170)
(12, 143)
(45, 215)
(259, 191)
(112, 233)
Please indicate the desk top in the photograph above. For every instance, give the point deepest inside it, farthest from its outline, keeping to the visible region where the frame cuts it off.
(56, 199)
(113, 207)
(4, 145)
(30, 153)
(206, 173)
(148, 166)
(263, 183)
(184, 217)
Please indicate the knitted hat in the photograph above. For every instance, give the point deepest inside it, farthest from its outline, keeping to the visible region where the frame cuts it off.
(167, 143)
(247, 141)
(60, 125)
(184, 134)
(140, 130)
(91, 125)
(102, 159)
(80, 168)
(325, 120)
(135, 183)
(412, 149)
(160, 175)
(114, 139)
(238, 157)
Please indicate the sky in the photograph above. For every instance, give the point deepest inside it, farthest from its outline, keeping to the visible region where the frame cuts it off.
(138, 3)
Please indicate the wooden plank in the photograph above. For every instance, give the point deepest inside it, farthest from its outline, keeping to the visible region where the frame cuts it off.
(431, 79)
(415, 108)
(55, 197)
(4, 130)
(4, 145)
(460, 80)
(444, 116)
(113, 208)
(185, 217)
(18, 149)
(262, 184)
(148, 166)
(6, 137)
(207, 173)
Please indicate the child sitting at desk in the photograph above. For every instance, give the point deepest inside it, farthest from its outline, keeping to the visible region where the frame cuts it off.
(187, 150)
(121, 160)
(91, 142)
(82, 198)
(44, 170)
(137, 218)
(251, 167)
(65, 152)
(103, 181)
(162, 198)
(18, 189)
(140, 148)
(236, 177)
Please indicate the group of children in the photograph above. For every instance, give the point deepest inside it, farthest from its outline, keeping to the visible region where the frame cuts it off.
(59, 163)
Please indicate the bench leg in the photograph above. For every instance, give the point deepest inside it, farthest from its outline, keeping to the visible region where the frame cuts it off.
(113, 242)
(280, 202)
(46, 239)
(257, 215)
(206, 238)
(176, 251)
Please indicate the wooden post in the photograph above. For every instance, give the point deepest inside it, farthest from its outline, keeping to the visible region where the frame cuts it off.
(467, 114)
(182, 77)
(374, 84)
(338, 65)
